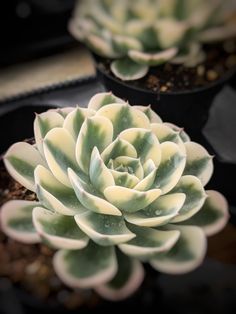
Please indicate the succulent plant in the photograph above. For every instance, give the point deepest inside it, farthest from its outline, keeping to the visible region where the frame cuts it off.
(115, 187)
(139, 34)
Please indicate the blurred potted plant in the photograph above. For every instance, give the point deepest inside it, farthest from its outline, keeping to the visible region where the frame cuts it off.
(173, 54)
(111, 186)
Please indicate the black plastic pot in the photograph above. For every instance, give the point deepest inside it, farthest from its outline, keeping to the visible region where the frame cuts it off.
(233, 81)
(188, 109)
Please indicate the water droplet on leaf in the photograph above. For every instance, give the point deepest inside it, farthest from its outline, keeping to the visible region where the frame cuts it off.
(158, 212)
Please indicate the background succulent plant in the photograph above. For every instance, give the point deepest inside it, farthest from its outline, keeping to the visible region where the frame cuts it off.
(138, 34)
(115, 187)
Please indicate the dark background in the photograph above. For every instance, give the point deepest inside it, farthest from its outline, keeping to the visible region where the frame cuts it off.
(31, 28)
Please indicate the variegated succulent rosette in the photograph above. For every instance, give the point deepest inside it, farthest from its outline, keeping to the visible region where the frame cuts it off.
(115, 187)
(138, 34)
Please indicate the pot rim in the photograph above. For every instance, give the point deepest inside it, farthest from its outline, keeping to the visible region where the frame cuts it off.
(219, 82)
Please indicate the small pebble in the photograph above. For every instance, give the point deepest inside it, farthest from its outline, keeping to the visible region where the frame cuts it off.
(200, 70)
(163, 88)
(152, 81)
(5, 192)
(44, 272)
(32, 269)
(31, 197)
(46, 250)
(212, 75)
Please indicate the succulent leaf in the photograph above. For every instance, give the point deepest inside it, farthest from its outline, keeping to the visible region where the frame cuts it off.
(86, 268)
(54, 195)
(118, 148)
(101, 46)
(97, 132)
(127, 280)
(218, 34)
(20, 160)
(75, 119)
(16, 221)
(149, 241)
(164, 133)
(152, 59)
(145, 32)
(130, 200)
(170, 33)
(123, 116)
(124, 179)
(159, 212)
(122, 44)
(90, 198)
(186, 255)
(60, 231)
(102, 99)
(199, 163)
(130, 165)
(183, 135)
(64, 111)
(99, 174)
(105, 230)
(192, 57)
(43, 123)
(146, 183)
(127, 69)
(213, 216)
(171, 167)
(152, 116)
(59, 150)
(195, 197)
(145, 142)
